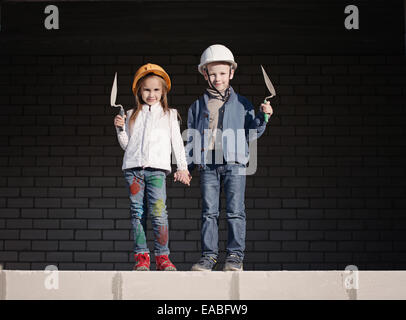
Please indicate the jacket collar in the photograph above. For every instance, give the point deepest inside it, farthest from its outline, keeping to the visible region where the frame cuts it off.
(155, 108)
(231, 99)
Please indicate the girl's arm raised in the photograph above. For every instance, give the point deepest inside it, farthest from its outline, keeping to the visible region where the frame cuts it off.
(122, 136)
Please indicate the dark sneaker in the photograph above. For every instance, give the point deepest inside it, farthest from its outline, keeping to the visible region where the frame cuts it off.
(164, 264)
(233, 263)
(142, 262)
(206, 263)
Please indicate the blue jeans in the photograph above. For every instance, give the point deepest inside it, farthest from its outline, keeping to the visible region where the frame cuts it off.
(233, 178)
(147, 191)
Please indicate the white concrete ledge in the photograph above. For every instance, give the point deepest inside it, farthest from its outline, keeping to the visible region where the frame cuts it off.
(247, 285)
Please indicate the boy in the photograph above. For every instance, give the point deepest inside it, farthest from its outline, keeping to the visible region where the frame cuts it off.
(222, 118)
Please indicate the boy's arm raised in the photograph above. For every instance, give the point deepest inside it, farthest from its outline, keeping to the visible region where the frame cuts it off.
(253, 122)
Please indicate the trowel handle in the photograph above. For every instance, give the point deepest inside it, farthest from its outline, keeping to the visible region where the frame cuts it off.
(266, 116)
(122, 115)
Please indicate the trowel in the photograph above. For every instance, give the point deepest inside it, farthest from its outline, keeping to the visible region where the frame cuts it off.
(113, 97)
(271, 89)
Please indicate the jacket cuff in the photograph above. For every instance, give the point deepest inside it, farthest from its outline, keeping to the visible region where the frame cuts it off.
(261, 117)
(182, 167)
(119, 131)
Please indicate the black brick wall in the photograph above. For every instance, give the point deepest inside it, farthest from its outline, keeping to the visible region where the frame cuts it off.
(330, 186)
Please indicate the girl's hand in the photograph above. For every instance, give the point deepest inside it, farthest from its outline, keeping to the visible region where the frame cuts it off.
(182, 176)
(119, 121)
(266, 108)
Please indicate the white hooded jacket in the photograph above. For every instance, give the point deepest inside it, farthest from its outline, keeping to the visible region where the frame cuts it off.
(149, 142)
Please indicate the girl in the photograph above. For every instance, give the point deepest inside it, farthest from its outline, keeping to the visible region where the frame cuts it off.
(149, 132)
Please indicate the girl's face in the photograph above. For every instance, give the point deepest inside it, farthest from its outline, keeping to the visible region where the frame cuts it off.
(220, 74)
(151, 90)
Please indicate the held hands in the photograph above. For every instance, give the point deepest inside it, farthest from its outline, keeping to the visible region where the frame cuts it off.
(266, 108)
(183, 176)
(119, 121)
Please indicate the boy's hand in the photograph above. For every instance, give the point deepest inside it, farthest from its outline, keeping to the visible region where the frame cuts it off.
(266, 108)
(183, 176)
(119, 121)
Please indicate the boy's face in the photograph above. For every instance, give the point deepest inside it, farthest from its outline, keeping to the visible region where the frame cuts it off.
(220, 75)
(151, 90)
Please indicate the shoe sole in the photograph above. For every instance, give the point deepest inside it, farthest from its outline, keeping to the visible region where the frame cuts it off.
(232, 269)
(141, 269)
(197, 268)
(167, 269)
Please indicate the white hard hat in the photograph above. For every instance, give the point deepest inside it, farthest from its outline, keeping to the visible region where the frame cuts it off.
(216, 53)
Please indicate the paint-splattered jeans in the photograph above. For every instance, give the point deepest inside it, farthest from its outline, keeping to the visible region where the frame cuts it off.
(233, 178)
(147, 190)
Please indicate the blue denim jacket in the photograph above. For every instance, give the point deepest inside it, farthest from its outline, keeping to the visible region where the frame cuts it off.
(239, 126)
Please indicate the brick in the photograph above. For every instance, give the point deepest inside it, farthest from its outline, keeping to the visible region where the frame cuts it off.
(34, 192)
(18, 245)
(310, 257)
(8, 256)
(19, 223)
(310, 235)
(86, 257)
(282, 257)
(74, 203)
(115, 235)
(102, 182)
(20, 203)
(74, 182)
(295, 203)
(72, 245)
(61, 192)
(59, 257)
(60, 234)
(100, 224)
(337, 257)
(295, 225)
(100, 203)
(318, 59)
(114, 257)
(33, 234)
(100, 245)
(295, 246)
(33, 213)
(349, 246)
(87, 235)
(47, 203)
(184, 203)
(61, 213)
(337, 235)
(73, 224)
(183, 246)
(323, 224)
(323, 246)
(44, 245)
(183, 224)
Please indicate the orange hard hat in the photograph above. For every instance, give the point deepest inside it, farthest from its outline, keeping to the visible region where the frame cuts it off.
(151, 68)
